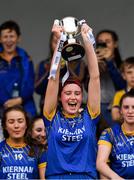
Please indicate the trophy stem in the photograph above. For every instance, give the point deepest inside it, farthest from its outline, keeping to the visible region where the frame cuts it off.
(70, 36)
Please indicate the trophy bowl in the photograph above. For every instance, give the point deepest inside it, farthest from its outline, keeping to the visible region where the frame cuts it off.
(72, 48)
(70, 25)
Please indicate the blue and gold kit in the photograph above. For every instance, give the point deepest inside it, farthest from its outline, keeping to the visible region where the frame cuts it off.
(72, 144)
(15, 163)
(122, 153)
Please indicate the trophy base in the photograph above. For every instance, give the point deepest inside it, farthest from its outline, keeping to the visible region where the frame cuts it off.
(71, 52)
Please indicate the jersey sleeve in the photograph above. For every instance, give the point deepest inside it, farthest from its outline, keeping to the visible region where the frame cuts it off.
(105, 138)
(94, 116)
(42, 160)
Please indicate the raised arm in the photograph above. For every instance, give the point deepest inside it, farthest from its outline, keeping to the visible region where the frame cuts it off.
(94, 82)
(51, 97)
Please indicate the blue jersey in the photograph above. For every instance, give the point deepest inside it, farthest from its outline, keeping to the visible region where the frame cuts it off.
(15, 163)
(20, 70)
(72, 144)
(122, 154)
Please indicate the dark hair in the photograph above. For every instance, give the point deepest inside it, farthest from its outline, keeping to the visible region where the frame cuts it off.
(36, 148)
(4, 118)
(70, 80)
(11, 25)
(130, 93)
(118, 59)
(127, 62)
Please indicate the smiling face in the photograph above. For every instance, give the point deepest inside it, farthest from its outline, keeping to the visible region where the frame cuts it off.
(38, 131)
(127, 110)
(9, 40)
(15, 125)
(71, 98)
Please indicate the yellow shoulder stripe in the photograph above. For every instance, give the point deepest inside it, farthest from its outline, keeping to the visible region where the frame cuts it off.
(42, 165)
(92, 114)
(49, 116)
(103, 142)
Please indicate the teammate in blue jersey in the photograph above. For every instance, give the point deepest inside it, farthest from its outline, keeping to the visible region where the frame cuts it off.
(117, 144)
(37, 131)
(36, 138)
(15, 159)
(71, 130)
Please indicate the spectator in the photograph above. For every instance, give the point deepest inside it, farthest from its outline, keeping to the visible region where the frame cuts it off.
(42, 73)
(16, 70)
(109, 60)
(127, 70)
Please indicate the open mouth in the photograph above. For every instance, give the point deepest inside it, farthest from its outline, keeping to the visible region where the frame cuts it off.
(72, 104)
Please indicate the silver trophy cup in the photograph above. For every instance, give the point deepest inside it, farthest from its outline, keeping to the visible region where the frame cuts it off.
(72, 48)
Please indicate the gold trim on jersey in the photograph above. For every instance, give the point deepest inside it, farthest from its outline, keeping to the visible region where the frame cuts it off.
(8, 141)
(42, 165)
(127, 133)
(66, 115)
(92, 114)
(103, 142)
(51, 115)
